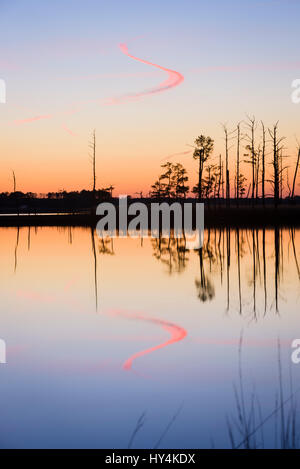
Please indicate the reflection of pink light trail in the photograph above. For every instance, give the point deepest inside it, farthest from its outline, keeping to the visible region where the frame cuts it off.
(177, 334)
(35, 296)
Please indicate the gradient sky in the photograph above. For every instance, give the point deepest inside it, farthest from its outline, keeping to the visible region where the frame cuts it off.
(66, 75)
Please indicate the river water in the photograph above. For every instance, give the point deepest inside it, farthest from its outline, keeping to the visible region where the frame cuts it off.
(102, 333)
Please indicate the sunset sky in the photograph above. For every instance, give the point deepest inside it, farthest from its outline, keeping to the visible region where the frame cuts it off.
(66, 74)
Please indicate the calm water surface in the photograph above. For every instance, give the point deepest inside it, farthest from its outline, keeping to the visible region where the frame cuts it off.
(99, 332)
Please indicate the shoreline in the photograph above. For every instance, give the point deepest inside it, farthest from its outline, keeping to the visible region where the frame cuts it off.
(214, 216)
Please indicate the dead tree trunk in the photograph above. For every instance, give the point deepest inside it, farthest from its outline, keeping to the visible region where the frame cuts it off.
(275, 166)
(276, 162)
(226, 162)
(94, 163)
(238, 163)
(14, 180)
(257, 173)
(281, 175)
(219, 176)
(295, 175)
(253, 159)
(263, 156)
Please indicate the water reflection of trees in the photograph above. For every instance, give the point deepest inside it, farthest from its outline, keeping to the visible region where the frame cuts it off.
(248, 263)
(249, 266)
(99, 246)
(105, 246)
(172, 252)
(204, 285)
(265, 253)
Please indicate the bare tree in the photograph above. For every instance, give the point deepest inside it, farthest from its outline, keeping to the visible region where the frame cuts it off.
(263, 162)
(219, 176)
(238, 161)
(251, 146)
(227, 148)
(282, 169)
(277, 171)
(222, 180)
(296, 171)
(92, 146)
(257, 173)
(14, 180)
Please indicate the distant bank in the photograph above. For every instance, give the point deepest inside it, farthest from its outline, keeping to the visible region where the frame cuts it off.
(218, 213)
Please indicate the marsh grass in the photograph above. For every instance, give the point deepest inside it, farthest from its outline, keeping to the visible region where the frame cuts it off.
(246, 429)
(247, 425)
(141, 421)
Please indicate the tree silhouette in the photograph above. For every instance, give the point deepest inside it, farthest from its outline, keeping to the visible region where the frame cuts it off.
(241, 186)
(295, 175)
(167, 176)
(179, 178)
(263, 155)
(203, 150)
(237, 178)
(253, 154)
(158, 189)
(209, 182)
(277, 170)
(92, 146)
(176, 178)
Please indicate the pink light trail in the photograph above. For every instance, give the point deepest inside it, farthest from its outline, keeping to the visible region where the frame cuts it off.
(174, 79)
(32, 119)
